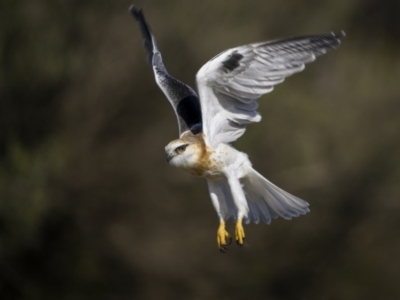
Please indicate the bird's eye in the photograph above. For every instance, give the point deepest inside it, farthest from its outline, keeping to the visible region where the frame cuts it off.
(180, 149)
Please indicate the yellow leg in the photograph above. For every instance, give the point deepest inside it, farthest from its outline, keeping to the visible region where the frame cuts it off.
(223, 237)
(239, 232)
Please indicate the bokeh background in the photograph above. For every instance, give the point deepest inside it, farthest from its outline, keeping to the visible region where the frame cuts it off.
(89, 208)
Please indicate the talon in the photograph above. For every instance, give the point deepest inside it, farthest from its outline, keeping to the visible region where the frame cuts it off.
(239, 232)
(240, 244)
(222, 237)
(223, 249)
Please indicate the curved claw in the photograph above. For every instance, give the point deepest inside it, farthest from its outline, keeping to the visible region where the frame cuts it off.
(240, 244)
(224, 248)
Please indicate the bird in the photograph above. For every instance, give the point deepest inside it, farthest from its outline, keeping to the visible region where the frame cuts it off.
(226, 101)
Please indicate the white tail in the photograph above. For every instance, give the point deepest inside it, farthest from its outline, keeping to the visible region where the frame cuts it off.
(266, 200)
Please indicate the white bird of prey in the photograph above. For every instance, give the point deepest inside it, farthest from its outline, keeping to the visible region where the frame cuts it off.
(229, 86)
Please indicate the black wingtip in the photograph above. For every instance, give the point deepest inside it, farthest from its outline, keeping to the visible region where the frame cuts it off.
(148, 40)
(137, 14)
(340, 34)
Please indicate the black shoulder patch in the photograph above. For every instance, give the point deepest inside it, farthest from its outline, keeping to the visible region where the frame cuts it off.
(190, 111)
(196, 128)
(232, 62)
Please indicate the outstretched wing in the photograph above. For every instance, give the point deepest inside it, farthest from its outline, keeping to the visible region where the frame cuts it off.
(183, 98)
(230, 84)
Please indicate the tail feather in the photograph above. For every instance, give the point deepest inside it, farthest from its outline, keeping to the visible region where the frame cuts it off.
(267, 201)
(254, 212)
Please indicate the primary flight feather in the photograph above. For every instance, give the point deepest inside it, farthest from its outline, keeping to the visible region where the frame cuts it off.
(229, 86)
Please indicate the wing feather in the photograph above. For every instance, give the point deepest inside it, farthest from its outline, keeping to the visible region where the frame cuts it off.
(230, 84)
(182, 97)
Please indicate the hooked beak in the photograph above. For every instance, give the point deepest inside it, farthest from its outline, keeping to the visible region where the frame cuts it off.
(169, 157)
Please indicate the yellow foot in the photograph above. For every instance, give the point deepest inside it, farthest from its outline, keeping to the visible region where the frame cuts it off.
(239, 232)
(223, 238)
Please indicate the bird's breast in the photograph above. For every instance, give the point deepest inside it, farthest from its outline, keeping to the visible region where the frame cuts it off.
(210, 164)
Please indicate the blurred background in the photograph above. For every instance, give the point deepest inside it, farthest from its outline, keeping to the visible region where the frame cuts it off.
(89, 208)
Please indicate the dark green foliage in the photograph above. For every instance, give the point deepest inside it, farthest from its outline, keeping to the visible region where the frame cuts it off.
(89, 208)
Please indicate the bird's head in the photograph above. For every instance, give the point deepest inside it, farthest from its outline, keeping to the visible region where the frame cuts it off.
(181, 153)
